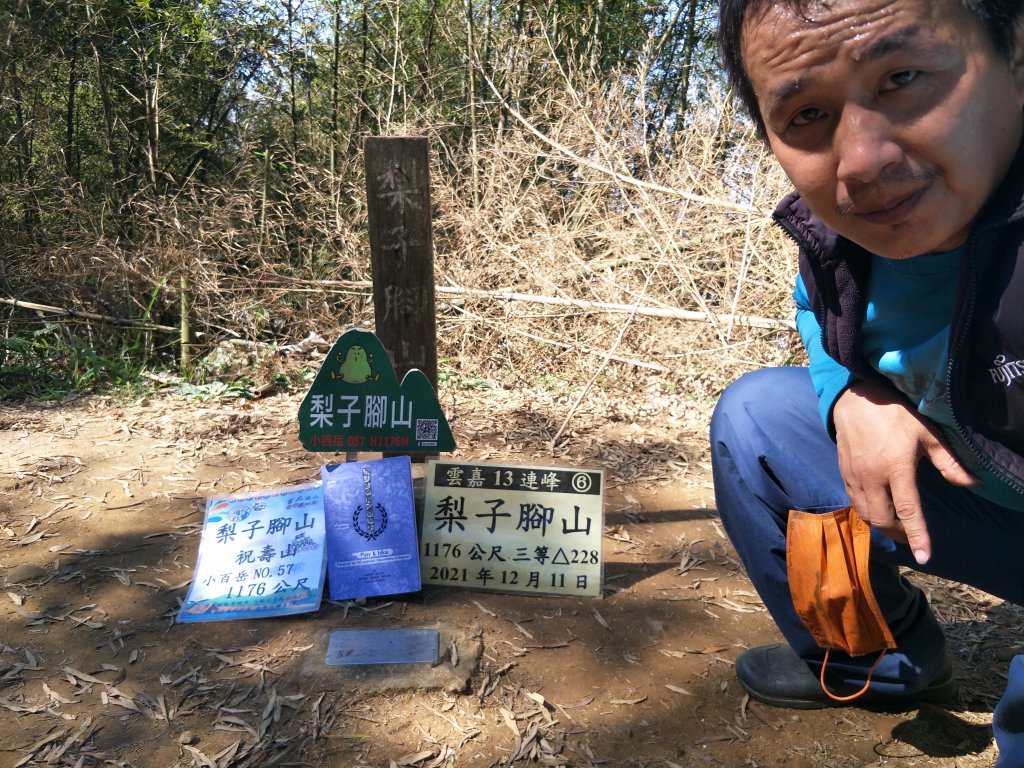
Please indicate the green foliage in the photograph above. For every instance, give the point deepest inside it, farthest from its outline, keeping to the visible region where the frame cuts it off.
(216, 390)
(144, 96)
(144, 140)
(452, 379)
(554, 385)
(49, 363)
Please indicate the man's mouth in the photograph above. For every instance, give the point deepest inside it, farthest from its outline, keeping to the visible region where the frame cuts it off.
(886, 211)
(890, 211)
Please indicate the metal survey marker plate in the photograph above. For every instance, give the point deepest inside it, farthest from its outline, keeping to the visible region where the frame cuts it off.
(347, 647)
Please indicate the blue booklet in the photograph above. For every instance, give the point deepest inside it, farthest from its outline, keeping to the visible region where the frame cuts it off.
(370, 516)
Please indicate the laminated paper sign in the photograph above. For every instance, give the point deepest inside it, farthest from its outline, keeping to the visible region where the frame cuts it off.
(513, 528)
(371, 528)
(260, 554)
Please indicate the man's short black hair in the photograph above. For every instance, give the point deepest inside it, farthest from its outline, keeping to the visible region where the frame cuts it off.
(998, 17)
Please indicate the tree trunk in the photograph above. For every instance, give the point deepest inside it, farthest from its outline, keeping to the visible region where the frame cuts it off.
(595, 38)
(426, 64)
(362, 78)
(292, 107)
(21, 159)
(471, 95)
(8, 39)
(335, 93)
(108, 107)
(151, 91)
(688, 54)
(71, 164)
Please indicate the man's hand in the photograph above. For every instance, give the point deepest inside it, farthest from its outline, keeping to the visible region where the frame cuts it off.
(881, 439)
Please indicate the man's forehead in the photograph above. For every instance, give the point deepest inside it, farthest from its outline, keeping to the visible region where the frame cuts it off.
(899, 38)
(814, 14)
(867, 29)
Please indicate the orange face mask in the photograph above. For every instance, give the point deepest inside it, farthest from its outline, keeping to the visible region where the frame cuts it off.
(827, 560)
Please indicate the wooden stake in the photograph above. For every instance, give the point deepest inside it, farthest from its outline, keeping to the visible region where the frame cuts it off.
(402, 251)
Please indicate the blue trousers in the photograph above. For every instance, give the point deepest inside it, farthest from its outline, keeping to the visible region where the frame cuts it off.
(770, 454)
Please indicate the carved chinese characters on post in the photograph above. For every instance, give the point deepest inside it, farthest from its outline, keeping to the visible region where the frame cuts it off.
(399, 224)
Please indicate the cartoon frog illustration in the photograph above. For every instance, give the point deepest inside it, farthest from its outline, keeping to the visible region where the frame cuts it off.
(355, 368)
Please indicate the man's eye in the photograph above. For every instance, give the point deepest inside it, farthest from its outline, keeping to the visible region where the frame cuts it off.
(899, 79)
(808, 116)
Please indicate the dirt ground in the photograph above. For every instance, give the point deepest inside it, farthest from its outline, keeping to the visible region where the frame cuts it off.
(100, 507)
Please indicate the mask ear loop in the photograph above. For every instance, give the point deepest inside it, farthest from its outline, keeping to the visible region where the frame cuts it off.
(852, 696)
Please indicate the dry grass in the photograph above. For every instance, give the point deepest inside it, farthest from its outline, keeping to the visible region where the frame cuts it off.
(585, 208)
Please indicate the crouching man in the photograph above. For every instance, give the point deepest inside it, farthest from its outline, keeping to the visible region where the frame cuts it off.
(900, 125)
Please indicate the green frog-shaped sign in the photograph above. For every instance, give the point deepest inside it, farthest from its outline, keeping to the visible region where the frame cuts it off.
(357, 404)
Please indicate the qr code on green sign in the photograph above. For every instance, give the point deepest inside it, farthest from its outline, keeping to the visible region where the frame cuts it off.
(426, 430)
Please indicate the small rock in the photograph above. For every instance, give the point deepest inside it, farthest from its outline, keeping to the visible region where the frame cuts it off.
(624, 729)
(187, 737)
(658, 627)
(26, 572)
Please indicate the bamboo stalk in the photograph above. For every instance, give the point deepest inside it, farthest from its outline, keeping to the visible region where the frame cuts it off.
(563, 345)
(87, 315)
(751, 321)
(185, 329)
(630, 181)
(471, 89)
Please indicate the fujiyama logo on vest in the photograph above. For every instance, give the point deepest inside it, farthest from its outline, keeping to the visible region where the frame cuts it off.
(1006, 371)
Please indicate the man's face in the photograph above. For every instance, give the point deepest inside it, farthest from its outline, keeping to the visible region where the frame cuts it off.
(895, 119)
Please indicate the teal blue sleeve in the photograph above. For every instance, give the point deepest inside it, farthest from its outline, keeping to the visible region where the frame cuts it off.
(829, 377)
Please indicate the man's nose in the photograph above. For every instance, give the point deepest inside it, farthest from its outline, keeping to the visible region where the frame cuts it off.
(864, 145)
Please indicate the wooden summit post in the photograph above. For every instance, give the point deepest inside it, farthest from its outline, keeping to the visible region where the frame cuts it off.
(402, 251)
